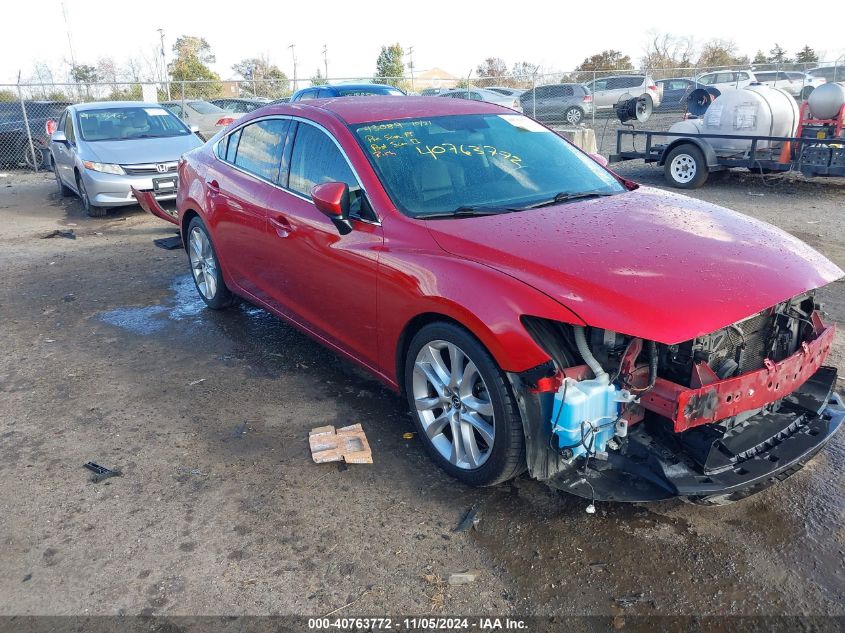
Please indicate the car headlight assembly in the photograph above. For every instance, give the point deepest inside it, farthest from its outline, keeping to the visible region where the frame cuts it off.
(106, 168)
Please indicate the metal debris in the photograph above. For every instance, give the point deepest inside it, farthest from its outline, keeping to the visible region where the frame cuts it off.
(69, 234)
(101, 472)
(471, 519)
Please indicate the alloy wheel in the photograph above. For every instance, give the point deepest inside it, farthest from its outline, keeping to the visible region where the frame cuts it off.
(453, 404)
(573, 116)
(203, 263)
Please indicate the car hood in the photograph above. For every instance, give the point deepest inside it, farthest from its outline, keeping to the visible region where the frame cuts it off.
(645, 263)
(143, 150)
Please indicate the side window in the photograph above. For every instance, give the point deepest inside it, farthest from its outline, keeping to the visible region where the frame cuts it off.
(324, 94)
(632, 82)
(221, 148)
(614, 83)
(601, 84)
(308, 94)
(232, 148)
(315, 160)
(62, 121)
(476, 96)
(707, 80)
(260, 148)
(69, 133)
(745, 77)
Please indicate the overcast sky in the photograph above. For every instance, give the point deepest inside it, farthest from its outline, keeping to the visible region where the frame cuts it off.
(451, 34)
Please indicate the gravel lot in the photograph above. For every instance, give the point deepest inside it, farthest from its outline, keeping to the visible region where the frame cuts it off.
(109, 356)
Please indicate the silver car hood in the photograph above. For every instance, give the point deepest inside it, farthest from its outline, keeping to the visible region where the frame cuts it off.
(142, 150)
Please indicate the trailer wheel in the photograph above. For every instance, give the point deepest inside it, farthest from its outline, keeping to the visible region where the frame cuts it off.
(685, 167)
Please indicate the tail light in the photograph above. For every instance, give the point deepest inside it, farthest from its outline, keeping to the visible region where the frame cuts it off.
(652, 87)
(226, 120)
(588, 98)
(50, 126)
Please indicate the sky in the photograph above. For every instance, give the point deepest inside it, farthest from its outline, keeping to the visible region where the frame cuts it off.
(452, 35)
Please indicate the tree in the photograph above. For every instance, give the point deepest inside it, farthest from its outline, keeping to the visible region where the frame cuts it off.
(192, 56)
(806, 56)
(778, 56)
(262, 78)
(607, 61)
(664, 53)
(317, 79)
(492, 71)
(760, 58)
(84, 74)
(389, 66)
(718, 53)
(522, 72)
(7, 95)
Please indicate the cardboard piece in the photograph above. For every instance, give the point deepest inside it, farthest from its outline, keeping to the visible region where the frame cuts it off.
(347, 444)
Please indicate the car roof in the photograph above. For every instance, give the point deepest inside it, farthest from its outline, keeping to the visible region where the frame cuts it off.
(102, 105)
(356, 110)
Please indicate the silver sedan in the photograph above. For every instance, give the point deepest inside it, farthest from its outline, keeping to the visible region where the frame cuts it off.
(99, 151)
(482, 94)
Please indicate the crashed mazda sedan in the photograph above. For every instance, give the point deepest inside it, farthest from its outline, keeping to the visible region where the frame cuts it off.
(536, 310)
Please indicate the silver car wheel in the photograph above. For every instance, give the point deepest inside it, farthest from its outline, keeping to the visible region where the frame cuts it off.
(683, 168)
(203, 264)
(453, 404)
(573, 116)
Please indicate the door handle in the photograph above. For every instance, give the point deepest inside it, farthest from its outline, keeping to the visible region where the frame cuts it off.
(282, 227)
(213, 186)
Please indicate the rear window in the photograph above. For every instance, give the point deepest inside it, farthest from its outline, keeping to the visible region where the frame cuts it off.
(204, 107)
(766, 76)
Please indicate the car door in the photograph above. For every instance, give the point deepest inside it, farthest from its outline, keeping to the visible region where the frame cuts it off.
(64, 153)
(241, 186)
(325, 280)
(600, 93)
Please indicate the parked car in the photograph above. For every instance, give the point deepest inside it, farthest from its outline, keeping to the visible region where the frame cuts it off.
(799, 85)
(504, 90)
(239, 105)
(279, 100)
(482, 94)
(828, 73)
(506, 283)
(674, 93)
(100, 150)
(558, 103)
(207, 117)
(721, 79)
(608, 91)
(14, 140)
(345, 90)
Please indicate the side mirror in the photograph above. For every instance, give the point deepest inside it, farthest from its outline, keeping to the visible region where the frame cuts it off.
(332, 199)
(195, 129)
(601, 160)
(59, 137)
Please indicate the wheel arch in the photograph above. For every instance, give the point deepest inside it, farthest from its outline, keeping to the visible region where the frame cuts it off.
(187, 215)
(706, 149)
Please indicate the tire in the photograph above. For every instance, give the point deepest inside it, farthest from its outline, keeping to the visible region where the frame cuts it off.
(573, 115)
(476, 405)
(33, 163)
(205, 267)
(90, 209)
(806, 91)
(63, 189)
(685, 167)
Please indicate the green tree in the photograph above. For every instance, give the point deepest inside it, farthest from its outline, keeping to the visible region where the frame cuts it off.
(85, 75)
(193, 54)
(7, 95)
(390, 69)
(778, 56)
(760, 58)
(806, 56)
(317, 79)
(262, 78)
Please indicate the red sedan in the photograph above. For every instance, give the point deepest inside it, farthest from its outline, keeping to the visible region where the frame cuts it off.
(538, 311)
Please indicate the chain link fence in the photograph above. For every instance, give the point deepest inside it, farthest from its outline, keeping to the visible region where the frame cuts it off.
(577, 98)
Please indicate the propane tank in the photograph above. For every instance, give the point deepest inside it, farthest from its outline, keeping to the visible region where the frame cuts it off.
(754, 110)
(826, 100)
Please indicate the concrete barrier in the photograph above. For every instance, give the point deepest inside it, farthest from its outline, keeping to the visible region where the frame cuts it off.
(583, 137)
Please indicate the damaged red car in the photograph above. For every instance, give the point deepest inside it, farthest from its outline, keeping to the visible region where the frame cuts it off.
(536, 310)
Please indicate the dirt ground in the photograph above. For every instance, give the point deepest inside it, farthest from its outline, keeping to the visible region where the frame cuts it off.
(109, 356)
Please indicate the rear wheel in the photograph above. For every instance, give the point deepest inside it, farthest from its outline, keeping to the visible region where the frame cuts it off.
(573, 115)
(464, 410)
(205, 268)
(685, 167)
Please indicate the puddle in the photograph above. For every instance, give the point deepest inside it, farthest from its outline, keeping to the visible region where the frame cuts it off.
(185, 304)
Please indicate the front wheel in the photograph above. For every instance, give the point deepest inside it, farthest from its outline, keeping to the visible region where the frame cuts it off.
(685, 167)
(93, 211)
(205, 268)
(573, 115)
(464, 410)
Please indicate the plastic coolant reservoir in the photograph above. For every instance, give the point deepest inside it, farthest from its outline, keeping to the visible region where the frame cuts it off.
(588, 408)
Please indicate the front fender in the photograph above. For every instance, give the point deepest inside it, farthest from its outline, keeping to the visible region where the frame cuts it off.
(485, 301)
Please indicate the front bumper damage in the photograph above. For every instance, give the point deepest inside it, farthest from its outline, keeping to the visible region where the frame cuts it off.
(672, 448)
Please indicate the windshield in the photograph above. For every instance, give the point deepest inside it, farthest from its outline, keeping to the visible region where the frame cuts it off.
(204, 107)
(115, 124)
(364, 92)
(441, 164)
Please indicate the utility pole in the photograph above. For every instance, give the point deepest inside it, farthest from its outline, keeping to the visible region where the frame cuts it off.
(326, 60)
(292, 48)
(164, 74)
(411, 66)
(69, 38)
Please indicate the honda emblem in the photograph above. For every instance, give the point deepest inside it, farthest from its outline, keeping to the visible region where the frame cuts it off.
(161, 168)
